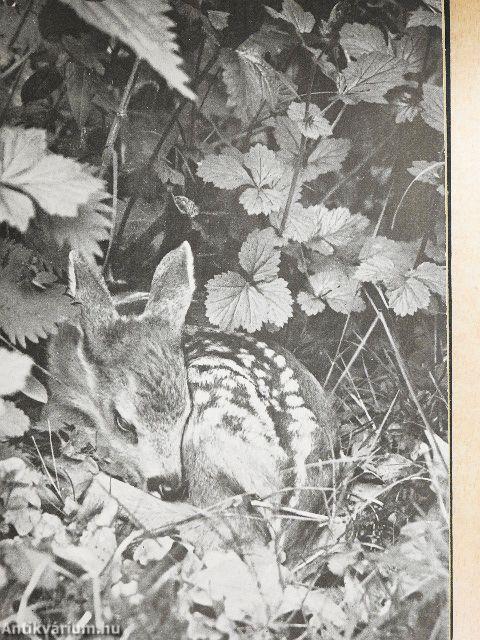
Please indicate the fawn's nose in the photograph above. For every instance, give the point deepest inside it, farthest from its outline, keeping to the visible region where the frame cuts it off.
(169, 489)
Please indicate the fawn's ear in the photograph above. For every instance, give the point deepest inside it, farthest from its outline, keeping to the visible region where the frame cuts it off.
(172, 287)
(89, 289)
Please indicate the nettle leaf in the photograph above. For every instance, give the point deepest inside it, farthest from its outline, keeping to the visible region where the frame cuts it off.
(432, 106)
(429, 173)
(370, 77)
(312, 124)
(412, 48)
(292, 12)
(13, 421)
(423, 18)
(266, 178)
(234, 301)
(83, 233)
(14, 371)
(145, 27)
(28, 311)
(358, 39)
(335, 288)
(29, 173)
(335, 228)
(252, 83)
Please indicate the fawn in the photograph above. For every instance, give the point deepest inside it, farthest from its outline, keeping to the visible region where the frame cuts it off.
(218, 413)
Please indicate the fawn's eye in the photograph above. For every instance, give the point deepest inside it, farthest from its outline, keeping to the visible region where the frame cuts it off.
(124, 426)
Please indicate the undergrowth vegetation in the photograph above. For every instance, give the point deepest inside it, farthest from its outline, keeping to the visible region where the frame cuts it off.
(299, 148)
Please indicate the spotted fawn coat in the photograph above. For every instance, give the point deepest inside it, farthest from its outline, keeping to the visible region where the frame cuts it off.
(218, 414)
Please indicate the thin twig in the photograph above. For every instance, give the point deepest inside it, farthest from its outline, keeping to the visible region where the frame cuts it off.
(119, 116)
(146, 168)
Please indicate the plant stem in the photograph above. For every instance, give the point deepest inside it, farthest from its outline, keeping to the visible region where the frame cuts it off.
(119, 116)
(301, 153)
(145, 170)
(431, 437)
(357, 167)
(21, 24)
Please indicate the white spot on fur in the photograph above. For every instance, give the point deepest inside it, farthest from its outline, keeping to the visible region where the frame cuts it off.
(280, 361)
(201, 396)
(270, 353)
(294, 400)
(247, 359)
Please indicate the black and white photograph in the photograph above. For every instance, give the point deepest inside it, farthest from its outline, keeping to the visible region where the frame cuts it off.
(225, 336)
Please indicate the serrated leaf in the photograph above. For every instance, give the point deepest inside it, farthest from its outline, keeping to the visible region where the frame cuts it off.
(310, 304)
(14, 371)
(292, 12)
(432, 276)
(266, 178)
(327, 156)
(224, 171)
(258, 255)
(370, 77)
(335, 228)
(27, 312)
(287, 134)
(423, 18)
(86, 230)
(432, 106)
(412, 48)
(429, 173)
(301, 222)
(145, 27)
(311, 125)
(402, 254)
(358, 39)
(35, 390)
(252, 83)
(336, 289)
(219, 19)
(409, 297)
(375, 269)
(232, 302)
(13, 422)
(27, 170)
(168, 174)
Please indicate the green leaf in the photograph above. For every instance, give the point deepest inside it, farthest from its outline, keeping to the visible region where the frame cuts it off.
(13, 422)
(252, 83)
(234, 302)
(28, 171)
(219, 19)
(327, 156)
(358, 39)
(430, 173)
(312, 125)
(292, 12)
(27, 312)
(335, 228)
(334, 288)
(412, 48)
(145, 27)
(14, 371)
(301, 222)
(370, 77)
(433, 276)
(423, 18)
(432, 106)
(266, 178)
(409, 297)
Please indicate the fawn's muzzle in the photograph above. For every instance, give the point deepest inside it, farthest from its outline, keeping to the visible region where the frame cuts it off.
(169, 488)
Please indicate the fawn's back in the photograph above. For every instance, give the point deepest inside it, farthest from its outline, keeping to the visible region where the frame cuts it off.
(218, 413)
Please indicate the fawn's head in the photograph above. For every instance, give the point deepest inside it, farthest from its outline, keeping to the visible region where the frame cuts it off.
(134, 371)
